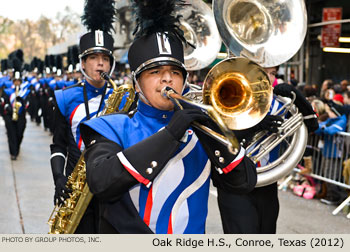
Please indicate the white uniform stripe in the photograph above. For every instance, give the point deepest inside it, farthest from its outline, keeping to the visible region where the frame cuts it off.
(126, 162)
(188, 148)
(170, 177)
(187, 193)
(274, 107)
(80, 114)
(57, 154)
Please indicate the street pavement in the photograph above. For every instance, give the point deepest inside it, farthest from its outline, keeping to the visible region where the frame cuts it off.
(26, 195)
(26, 184)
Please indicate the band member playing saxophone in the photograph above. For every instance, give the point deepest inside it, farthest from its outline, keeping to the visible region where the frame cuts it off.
(82, 101)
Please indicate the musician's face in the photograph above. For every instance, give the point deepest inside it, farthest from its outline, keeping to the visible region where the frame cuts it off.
(17, 82)
(153, 80)
(271, 72)
(94, 64)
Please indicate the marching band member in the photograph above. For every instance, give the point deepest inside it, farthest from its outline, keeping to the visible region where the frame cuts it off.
(13, 102)
(257, 211)
(82, 101)
(150, 169)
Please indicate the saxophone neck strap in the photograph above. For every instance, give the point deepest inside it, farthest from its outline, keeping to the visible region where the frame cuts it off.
(86, 101)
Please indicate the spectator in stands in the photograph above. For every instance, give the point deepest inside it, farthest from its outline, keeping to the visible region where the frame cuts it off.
(293, 82)
(337, 88)
(319, 108)
(310, 92)
(345, 86)
(347, 99)
(329, 129)
(327, 84)
(338, 99)
(343, 108)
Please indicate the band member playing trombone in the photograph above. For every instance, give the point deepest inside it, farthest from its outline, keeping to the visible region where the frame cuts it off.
(151, 169)
(81, 102)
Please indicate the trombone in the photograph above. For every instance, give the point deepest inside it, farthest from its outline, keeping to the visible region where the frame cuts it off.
(237, 88)
(234, 91)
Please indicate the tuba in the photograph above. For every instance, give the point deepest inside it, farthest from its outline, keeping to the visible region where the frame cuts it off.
(256, 29)
(65, 219)
(123, 26)
(238, 87)
(198, 25)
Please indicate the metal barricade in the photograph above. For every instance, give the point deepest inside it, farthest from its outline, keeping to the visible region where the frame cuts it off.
(328, 154)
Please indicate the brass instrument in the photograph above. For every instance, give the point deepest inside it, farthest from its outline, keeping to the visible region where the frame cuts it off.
(65, 219)
(16, 105)
(236, 94)
(293, 132)
(256, 29)
(264, 31)
(198, 24)
(124, 26)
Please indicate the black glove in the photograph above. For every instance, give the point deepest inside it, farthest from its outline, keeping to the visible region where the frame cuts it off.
(61, 191)
(302, 104)
(284, 89)
(270, 123)
(182, 119)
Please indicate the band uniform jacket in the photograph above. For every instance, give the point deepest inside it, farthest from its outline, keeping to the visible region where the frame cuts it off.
(148, 182)
(70, 111)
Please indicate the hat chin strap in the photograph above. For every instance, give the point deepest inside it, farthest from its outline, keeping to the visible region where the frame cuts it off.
(87, 76)
(141, 92)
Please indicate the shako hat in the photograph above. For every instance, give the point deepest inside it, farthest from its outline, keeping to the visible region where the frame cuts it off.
(158, 37)
(98, 18)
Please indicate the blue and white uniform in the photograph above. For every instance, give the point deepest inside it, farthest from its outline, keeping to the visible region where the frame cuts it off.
(70, 112)
(14, 128)
(175, 199)
(70, 102)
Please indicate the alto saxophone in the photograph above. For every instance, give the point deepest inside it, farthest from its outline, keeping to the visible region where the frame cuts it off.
(65, 219)
(16, 105)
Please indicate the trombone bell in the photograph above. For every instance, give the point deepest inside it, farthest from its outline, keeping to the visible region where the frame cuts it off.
(240, 91)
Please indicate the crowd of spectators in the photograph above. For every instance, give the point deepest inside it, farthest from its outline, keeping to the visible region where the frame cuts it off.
(332, 105)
